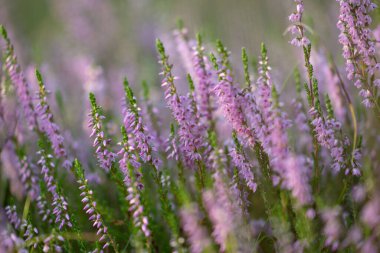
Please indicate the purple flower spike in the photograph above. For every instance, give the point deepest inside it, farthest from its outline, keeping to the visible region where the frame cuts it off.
(101, 143)
(59, 204)
(21, 86)
(359, 47)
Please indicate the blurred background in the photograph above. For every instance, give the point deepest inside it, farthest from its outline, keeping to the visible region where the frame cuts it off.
(90, 45)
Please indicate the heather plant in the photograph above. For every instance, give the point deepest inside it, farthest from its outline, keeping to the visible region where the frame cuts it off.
(228, 164)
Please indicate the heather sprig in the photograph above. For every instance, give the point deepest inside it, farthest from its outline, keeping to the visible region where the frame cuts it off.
(58, 201)
(103, 150)
(297, 27)
(229, 99)
(131, 169)
(141, 139)
(204, 81)
(90, 207)
(191, 134)
(18, 79)
(359, 48)
(243, 165)
(47, 124)
(134, 126)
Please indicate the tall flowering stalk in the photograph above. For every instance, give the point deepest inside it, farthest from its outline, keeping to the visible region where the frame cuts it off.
(25, 169)
(272, 125)
(203, 80)
(47, 124)
(90, 207)
(191, 139)
(59, 203)
(151, 115)
(17, 77)
(141, 142)
(28, 178)
(102, 144)
(243, 165)
(229, 99)
(264, 118)
(26, 230)
(325, 131)
(184, 47)
(133, 124)
(132, 180)
(12, 216)
(359, 48)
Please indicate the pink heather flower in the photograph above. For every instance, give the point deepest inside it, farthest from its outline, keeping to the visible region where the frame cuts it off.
(232, 104)
(244, 168)
(134, 127)
(21, 86)
(44, 210)
(192, 140)
(325, 133)
(24, 227)
(197, 234)
(356, 165)
(102, 144)
(94, 216)
(297, 28)
(262, 102)
(172, 149)
(150, 115)
(359, 48)
(24, 169)
(29, 232)
(142, 139)
(204, 82)
(12, 216)
(47, 124)
(239, 195)
(132, 181)
(184, 49)
(271, 129)
(129, 158)
(59, 203)
(332, 228)
(28, 178)
(137, 210)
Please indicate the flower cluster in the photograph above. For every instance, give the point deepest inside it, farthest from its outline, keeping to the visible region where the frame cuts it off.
(190, 131)
(297, 26)
(359, 48)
